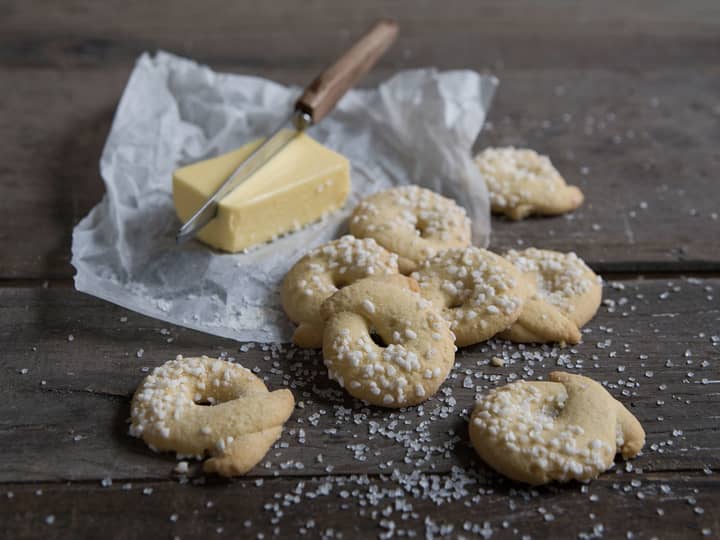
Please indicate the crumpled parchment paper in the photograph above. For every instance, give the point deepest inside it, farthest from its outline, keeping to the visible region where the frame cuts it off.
(417, 127)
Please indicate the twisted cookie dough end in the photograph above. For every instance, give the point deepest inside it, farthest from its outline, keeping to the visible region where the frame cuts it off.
(567, 295)
(199, 406)
(567, 428)
(522, 182)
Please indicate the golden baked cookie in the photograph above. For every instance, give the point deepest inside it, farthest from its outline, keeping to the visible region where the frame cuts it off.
(522, 182)
(411, 221)
(567, 296)
(196, 405)
(323, 271)
(416, 349)
(568, 428)
(478, 292)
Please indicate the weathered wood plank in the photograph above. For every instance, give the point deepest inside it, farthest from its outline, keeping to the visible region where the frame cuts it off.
(641, 147)
(521, 34)
(637, 147)
(55, 126)
(656, 344)
(626, 506)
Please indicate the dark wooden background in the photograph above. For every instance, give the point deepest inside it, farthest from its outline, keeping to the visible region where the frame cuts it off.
(625, 98)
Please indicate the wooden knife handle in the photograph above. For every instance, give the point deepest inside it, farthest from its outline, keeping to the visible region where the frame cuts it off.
(323, 93)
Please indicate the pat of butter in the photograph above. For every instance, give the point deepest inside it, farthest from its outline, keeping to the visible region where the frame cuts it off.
(297, 186)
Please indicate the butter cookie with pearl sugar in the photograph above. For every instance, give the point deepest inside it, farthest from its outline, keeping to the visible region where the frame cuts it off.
(321, 273)
(478, 292)
(416, 351)
(568, 428)
(194, 406)
(413, 222)
(522, 182)
(568, 294)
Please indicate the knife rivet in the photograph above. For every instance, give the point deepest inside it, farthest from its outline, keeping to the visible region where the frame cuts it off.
(301, 120)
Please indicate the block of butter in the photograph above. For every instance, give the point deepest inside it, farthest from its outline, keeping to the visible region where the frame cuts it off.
(297, 186)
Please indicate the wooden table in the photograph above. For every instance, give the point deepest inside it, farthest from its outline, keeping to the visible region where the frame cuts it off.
(625, 98)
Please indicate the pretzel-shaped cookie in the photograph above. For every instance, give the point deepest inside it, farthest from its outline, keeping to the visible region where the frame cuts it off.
(413, 222)
(522, 182)
(242, 422)
(320, 273)
(478, 292)
(417, 351)
(567, 429)
(567, 296)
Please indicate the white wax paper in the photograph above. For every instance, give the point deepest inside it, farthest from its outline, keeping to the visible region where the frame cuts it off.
(417, 127)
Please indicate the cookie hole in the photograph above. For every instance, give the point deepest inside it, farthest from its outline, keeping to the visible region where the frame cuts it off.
(377, 339)
(421, 229)
(551, 412)
(455, 303)
(207, 402)
(340, 282)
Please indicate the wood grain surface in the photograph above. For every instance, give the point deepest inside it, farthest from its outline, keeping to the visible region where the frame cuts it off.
(621, 506)
(623, 96)
(81, 386)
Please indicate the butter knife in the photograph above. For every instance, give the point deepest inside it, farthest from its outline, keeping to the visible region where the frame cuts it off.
(317, 100)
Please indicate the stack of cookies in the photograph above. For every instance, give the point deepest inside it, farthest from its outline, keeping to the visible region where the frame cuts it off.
(389, 303)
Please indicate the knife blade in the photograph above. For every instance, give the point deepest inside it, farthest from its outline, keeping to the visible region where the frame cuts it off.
(316, 101)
